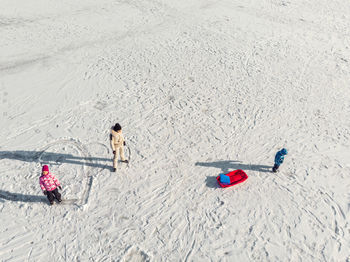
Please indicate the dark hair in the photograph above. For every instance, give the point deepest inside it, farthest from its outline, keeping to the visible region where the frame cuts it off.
(117, 127)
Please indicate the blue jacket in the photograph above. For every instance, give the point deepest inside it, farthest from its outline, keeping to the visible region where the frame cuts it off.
(279, 158)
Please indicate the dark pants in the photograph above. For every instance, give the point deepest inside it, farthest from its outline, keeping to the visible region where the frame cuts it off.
(51, 195)
(275, 167)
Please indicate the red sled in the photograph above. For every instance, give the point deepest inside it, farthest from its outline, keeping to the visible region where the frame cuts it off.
(235, 177)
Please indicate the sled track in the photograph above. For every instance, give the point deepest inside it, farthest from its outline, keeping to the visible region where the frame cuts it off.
(87, 170)
(129, 154)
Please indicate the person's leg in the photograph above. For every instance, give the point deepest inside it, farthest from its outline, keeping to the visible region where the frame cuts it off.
(115, 159)
(122, 156)
(121, 151)
(50, 196)
(275, 167)
(57, 195)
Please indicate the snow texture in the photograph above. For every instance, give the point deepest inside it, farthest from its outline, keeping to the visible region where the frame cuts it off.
(200, 87)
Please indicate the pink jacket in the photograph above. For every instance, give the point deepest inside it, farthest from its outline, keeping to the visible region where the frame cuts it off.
(48, 182)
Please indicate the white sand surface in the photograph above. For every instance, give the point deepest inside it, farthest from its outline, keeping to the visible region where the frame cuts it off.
(200, 87)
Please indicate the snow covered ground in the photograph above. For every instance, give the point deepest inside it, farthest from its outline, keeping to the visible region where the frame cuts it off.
(200, 87)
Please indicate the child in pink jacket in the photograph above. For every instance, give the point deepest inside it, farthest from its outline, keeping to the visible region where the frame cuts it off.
(49, 183)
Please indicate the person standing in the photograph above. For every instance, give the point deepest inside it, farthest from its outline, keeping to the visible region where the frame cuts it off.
(117, 143)
(279, 158)
(49, 183)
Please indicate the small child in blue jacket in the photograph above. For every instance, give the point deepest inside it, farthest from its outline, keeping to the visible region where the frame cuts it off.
(279, 159)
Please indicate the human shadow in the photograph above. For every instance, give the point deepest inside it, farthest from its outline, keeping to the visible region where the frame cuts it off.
(230, 165)
(53, 158)
(21, 197)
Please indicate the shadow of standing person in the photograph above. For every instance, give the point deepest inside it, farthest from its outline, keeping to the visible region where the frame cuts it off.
(230, 165)
(53, 158)
(17, 197)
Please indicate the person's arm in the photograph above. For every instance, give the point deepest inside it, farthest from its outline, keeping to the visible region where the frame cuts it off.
(281, 159)
(112, 141)
(123, 143)
(56, 181)
(42, 185)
